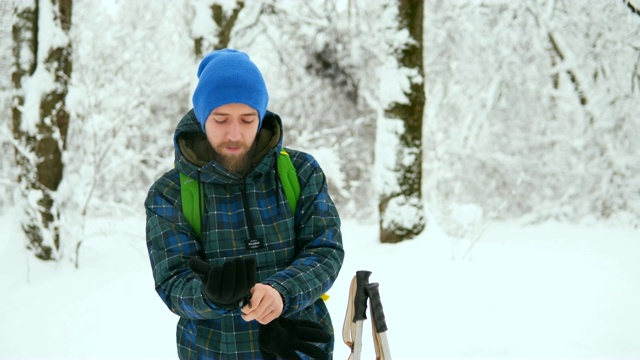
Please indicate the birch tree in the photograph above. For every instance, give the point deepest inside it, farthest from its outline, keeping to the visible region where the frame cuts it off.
(40, 76)
(399, 134)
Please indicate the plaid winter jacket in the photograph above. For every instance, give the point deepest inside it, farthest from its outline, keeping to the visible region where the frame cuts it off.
(298, 254)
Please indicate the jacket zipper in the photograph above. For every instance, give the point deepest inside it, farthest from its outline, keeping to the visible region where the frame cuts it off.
(247, 213)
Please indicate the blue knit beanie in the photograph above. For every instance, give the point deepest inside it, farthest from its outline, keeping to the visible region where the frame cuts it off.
(228, 76)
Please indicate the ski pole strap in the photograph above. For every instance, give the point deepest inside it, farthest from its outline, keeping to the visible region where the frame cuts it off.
(356, 313)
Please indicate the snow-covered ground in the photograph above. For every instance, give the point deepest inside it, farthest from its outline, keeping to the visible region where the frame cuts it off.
(549, 291)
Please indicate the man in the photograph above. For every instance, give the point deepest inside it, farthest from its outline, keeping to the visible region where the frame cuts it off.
(249, 286)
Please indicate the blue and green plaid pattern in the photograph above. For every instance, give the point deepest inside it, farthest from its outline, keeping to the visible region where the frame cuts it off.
(301, 255)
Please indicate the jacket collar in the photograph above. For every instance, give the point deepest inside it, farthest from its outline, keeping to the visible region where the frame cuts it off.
(194, 155)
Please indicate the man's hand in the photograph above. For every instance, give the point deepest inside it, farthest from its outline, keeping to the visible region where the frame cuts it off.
(228, 284)
(265, 305)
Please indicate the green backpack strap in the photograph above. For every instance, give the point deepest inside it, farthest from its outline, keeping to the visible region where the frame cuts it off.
(289, 179)
(193, 201)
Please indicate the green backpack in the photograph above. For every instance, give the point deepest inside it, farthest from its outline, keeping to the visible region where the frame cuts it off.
(193, 202)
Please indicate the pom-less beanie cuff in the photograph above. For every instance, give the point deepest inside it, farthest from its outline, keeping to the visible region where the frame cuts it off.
(228, 76)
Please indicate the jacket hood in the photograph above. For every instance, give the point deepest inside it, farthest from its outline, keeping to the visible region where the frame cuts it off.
(194, 155)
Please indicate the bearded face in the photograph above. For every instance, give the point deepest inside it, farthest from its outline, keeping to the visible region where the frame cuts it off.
(231, 130)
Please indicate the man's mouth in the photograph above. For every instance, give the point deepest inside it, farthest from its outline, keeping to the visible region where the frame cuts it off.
(233, 149)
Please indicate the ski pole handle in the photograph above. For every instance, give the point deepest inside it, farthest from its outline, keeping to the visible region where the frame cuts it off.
(360, 300)
(376, 307)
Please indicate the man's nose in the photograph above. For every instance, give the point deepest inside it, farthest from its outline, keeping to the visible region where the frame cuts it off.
(233, 132)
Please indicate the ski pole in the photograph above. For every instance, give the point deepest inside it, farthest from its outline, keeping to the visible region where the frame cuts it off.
(379, 323)
(356, 313)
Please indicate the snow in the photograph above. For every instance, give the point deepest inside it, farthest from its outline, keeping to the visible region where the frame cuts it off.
(201, 26)
(546, 291)
(388, 148)
(501, 291)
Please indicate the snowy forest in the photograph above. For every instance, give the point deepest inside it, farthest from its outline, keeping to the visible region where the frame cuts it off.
(457, 112)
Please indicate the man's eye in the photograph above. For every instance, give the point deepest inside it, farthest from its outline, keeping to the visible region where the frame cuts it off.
(248, 120)
(220, 120)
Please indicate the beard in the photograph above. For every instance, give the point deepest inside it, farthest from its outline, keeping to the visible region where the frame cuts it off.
(235, 163)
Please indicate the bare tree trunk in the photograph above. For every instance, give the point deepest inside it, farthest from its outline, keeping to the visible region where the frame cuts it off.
(401, 204)
(42, 67)
(224, 24)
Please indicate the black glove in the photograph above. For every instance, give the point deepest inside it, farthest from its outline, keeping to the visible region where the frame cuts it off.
(283, 337)
(228, 284)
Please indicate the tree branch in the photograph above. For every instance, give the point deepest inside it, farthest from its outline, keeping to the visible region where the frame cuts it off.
(634, 8)
(572, 75)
